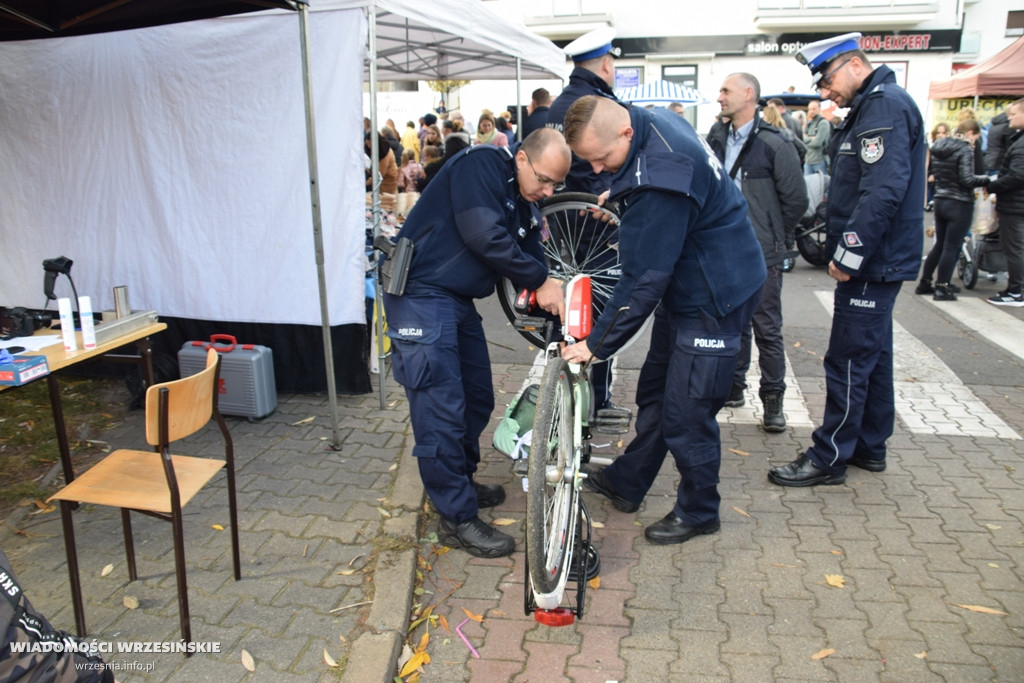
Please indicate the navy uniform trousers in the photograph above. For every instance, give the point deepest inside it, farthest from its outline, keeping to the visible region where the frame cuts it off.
(440, 357)
(684, 382)
(860, 407)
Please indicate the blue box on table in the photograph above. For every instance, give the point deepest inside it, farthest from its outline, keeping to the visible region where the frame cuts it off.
(23, 369)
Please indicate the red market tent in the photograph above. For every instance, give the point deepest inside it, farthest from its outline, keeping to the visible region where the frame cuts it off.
(1000, 74)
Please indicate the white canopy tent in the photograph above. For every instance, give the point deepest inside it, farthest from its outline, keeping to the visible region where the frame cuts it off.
(169, 159)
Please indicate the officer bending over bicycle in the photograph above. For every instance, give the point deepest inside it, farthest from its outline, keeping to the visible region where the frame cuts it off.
(686, 243)
(473, 225)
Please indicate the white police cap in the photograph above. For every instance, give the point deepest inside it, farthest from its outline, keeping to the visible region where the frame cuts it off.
(819, 53)
(593, 44)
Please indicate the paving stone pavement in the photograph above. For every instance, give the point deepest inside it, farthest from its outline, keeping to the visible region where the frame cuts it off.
(941, 528)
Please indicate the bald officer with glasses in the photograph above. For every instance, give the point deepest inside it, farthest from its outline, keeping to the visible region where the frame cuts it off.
(474, 224)
(875, 236)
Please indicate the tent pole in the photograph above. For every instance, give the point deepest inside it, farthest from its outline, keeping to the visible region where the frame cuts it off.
(378, 303)
(318, 238)
(519, 99)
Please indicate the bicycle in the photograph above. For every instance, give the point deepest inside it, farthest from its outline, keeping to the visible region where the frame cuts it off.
(558, 527)
(580, 237)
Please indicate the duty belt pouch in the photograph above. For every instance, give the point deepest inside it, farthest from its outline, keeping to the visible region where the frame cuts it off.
(395, 268)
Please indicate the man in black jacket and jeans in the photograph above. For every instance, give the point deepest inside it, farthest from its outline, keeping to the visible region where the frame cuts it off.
(766, 167)
(1008, 187)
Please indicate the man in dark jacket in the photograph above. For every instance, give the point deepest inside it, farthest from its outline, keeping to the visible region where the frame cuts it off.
(766, 168)
(1008, 187)
(875, 234)
(473, 225)
(998, 138)
(593, 57)
(686, 244)
(536, 111)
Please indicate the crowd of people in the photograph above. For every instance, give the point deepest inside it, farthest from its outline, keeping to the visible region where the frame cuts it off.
(706, 225)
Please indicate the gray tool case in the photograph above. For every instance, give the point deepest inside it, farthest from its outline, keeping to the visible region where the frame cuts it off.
(247, 387)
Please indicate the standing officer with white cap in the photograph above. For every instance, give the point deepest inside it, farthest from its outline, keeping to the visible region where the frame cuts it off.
(593, 73)
(875, 233)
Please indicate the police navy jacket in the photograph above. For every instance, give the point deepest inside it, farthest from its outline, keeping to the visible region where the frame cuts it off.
(582, 82)
(875, 212)
(685, 238)
(471, 227)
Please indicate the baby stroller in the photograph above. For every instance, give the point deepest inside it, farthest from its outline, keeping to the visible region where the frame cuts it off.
(981, 250)
(812, 229)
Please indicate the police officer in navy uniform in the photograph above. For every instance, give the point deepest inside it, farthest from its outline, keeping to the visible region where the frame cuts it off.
(473, 225)
(593, 73)
(875, 220)
(687, 243)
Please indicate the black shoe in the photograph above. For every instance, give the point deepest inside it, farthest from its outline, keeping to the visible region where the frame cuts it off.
(613, 412)
(943, 293)
(924, 287)
(869, 464)
(803, 472)
(488, 495)
(1006, 298)
(953, 288)
(671, 529)
(736, 398)
(476, 537)
(773, 421)
(597, 482)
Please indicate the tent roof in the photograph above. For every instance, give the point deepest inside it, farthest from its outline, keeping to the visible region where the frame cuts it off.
(435, 40)
(453, 40)
(661, 92)
(29, 19)
(1000, 74)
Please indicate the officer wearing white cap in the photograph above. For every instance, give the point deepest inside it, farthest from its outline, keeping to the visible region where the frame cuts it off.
(875, 235)
(593, 57)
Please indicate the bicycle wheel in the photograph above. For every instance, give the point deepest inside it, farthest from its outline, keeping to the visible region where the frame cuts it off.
(574, 244)
(551, 498)
(810, 238)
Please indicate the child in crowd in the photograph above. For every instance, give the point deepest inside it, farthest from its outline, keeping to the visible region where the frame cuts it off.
(409, 172)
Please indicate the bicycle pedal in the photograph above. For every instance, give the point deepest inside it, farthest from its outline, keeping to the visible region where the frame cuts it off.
(521, 468)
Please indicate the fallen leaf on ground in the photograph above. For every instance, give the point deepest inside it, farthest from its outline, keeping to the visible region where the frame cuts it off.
(329, 660)
(836, 552)
(302, 422)
(738, 452)
(393, 467)
(595, 582)
(982, 609)
(835, 580)
(347, 572)
(415, 662)
(504, 521)
(218, 527)
(821, 654)
(596, 524)
(424, 640)
(742, 512)
(247, 661)
(384, 512)
(106, 570)
(444, 622)
(921, 655)
(993, 526)
(475, 617)
(797, 345)
(131, 602)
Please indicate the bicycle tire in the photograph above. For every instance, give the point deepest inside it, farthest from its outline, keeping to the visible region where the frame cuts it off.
(551, 500)
(810, 239)
(574, 245)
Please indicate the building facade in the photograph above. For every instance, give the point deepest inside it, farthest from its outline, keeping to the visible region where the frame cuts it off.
(699, 45)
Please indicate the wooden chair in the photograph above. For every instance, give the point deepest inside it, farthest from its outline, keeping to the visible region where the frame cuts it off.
(157, 484)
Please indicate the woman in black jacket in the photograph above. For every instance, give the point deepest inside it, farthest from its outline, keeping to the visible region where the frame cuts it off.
(952, 161)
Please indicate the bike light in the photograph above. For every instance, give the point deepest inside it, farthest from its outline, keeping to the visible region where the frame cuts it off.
(560, 616)
(578, 308)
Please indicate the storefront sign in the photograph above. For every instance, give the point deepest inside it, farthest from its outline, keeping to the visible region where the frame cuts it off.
(949, 111)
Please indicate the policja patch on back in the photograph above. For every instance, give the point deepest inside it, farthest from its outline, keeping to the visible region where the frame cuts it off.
(872, 149)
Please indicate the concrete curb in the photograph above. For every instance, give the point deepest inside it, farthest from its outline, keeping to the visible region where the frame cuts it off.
(374, 655)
